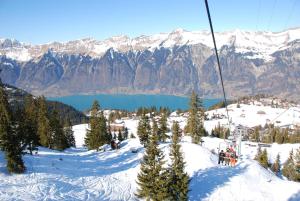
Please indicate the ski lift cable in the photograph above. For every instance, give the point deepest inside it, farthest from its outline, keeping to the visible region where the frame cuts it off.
(218, 61)
(269, 126)
(280, 114)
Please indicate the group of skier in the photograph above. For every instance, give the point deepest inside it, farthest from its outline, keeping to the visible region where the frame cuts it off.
(228, 158)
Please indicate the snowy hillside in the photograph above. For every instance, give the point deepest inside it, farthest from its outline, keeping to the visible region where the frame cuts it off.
(78, 174)
(254, 115)
(262, 43)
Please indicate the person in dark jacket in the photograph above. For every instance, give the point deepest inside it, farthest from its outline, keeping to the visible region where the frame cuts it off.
(221, 157)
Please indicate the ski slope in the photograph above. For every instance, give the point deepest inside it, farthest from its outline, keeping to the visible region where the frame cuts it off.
(255, 115)
(79, 174)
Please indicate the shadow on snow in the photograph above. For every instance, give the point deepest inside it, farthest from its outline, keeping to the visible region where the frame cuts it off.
(204, 182)
(295, 197)
(80, 163)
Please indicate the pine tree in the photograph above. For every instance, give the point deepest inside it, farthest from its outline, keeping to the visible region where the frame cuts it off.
(92, 135)
(22, 127)
(289, 168)
(30, 122)
(178, 179)
(104, 135)
(109, 133)
(256, 134)
(285, 136)
(120, 136)
(297, 166)
(126, 133)
(155, 129)
(278, 136)
(212, 133)
(58, 138)
(152, 176)
(220, 132)
(195, 121)
(272, 135)
(263, 159)
(295, 137)
(9, 139)
(5, 120)
(69, 133)
(258, 154)
(111, 118)
(43, 127)
(97, 135)
(163, 128)
(144, 130)
(13, 151)
(276, 165)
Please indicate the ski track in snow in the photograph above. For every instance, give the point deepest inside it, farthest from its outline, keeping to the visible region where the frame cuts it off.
(111, 175)
(78, 174)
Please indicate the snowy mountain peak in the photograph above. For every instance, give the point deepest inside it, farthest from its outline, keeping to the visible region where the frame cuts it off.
(261, 43)
(178, 31)
(9, 43)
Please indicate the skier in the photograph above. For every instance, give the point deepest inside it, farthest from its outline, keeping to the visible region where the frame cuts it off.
(221, 157)
(227, 156)
(233, 158)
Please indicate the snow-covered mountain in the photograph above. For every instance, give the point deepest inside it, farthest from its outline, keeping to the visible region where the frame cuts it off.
(261, 42)
(168, 63)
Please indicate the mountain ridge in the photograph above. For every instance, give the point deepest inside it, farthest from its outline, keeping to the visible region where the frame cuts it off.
(176, 66)
(123, 43)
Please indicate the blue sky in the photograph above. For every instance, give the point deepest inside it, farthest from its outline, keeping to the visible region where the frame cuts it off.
(41, 21)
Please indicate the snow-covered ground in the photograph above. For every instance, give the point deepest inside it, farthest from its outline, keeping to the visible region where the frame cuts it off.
(78, 174)
(254, 115)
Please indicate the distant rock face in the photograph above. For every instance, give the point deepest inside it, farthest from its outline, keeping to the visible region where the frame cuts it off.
(167, 64)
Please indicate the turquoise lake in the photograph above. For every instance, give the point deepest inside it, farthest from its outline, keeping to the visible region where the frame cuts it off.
(129, 102)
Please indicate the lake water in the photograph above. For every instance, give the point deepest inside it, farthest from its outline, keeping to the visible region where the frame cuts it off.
(129, 102)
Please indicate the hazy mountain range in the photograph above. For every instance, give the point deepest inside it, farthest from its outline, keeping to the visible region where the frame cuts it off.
(167, 63)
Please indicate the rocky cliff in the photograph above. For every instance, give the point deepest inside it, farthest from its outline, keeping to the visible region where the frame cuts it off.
(168, 63)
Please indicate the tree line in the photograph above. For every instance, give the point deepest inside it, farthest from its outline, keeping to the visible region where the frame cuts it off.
(155, 180)
(144, 128)
(99, 134)
(153, 111)
(220, 132)
(272, 134)
(194, 127)
(290, 169)
(24, 129)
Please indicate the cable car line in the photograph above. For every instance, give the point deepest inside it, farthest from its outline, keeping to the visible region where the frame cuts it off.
(218, 61)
